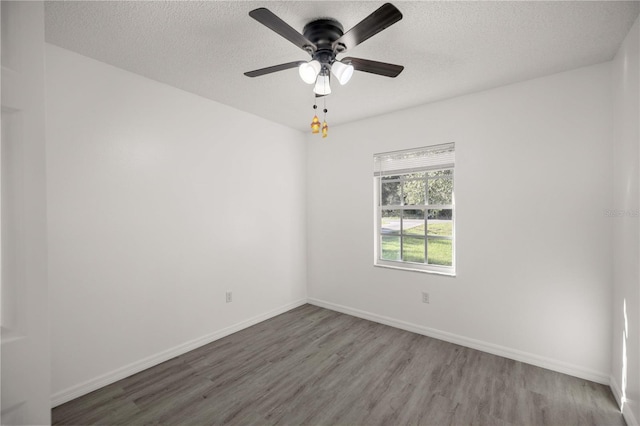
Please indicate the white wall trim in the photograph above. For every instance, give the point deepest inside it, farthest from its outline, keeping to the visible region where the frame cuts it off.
(138, 366)
(615, 389)
(627, 413)
(548, 363)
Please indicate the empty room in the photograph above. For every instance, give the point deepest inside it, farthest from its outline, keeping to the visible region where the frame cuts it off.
(320, 212)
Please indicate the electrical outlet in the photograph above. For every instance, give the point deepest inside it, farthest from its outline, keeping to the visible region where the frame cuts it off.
(425, 297)
(229, 297)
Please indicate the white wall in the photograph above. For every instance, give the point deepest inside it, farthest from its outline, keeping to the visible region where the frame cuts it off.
(160, 201)
(24, 315)
(533, 177)
(626, 232)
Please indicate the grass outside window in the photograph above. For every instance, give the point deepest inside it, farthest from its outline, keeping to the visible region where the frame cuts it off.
(439, 250)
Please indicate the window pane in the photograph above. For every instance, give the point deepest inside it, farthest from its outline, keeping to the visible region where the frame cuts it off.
(440, 191)
(439, 252)
(413, 249)
(415, 197)
(440, 223)
(390, 247)
(414, 192)
(413, 222)
(390, 193)
(390, 222)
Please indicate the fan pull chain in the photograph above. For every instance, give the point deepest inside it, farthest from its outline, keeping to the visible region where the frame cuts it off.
(325, 126)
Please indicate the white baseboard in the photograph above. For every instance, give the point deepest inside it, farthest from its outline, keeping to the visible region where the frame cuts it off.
(628, 416)
(138, 366)
(626, 410)
(615, 389)
(548, 363)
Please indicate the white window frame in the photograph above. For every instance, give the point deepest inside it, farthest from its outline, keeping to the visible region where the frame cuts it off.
(403, 168)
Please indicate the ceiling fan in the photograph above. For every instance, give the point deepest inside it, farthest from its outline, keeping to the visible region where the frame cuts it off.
(324, 39)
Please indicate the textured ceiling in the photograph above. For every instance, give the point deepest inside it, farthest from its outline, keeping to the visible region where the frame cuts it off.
(447, 48)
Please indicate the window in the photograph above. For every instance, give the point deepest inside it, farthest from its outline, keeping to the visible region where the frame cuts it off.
(415, 209)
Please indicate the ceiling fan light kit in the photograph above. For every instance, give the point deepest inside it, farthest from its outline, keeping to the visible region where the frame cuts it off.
(309, 71)
(343, 72)
(322, 87)
(324, 39)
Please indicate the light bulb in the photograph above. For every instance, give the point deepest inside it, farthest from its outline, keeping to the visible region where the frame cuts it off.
(343, 72)
(309, 71)
(322, 85)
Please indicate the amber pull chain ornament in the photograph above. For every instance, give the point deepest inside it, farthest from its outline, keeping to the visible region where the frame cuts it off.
(325, 126)
(315, 125)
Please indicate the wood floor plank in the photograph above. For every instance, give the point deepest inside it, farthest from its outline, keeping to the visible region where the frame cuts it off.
(315, 366)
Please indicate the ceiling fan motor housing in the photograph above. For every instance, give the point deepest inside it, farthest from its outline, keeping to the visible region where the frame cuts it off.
(323, 33)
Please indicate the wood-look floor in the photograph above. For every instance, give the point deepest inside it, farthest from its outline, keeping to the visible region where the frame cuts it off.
(314, 366)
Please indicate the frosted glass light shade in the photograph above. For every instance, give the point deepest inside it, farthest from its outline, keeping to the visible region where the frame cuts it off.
(322, 85)
(343, 72)
(309, 71)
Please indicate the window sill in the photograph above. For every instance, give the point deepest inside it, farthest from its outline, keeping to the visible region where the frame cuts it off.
(414, 268)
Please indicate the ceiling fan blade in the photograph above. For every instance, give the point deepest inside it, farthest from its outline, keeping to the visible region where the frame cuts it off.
(270, 20)
(374, 67)
(382, 18)
(275, 68)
